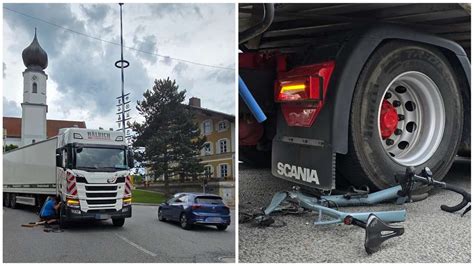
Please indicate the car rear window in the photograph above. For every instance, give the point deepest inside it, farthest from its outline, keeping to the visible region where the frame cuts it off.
(209, 200)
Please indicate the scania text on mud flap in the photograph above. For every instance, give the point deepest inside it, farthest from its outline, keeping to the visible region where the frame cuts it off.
(299, 173)
(88, 169)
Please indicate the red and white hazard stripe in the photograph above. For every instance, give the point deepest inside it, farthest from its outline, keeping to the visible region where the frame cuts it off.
(71, 184)
(128, 185)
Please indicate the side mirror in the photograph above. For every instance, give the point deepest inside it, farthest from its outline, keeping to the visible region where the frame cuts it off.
(59, 158)
(130, 161)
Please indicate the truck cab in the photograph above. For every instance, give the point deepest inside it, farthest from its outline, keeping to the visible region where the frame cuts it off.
(93, 178)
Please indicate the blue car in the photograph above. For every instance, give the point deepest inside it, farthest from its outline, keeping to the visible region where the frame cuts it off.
(195, 208)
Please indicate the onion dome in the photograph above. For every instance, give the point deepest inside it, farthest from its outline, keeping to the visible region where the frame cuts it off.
(34, 56)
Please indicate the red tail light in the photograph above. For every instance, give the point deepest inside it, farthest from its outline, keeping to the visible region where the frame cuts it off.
(301, 92)
(195, 206)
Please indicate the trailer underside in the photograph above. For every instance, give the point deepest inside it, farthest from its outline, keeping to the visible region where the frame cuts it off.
(297, 26)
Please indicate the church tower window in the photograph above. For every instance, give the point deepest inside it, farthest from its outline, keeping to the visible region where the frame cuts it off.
(35, 87)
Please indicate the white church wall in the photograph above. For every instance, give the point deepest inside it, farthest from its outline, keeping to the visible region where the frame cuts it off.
(38, 78)
(33, 123)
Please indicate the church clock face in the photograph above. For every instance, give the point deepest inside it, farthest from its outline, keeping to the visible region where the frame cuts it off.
(34, 77)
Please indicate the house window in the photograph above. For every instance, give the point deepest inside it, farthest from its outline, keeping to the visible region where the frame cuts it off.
(208, 170)
(222, 146)
(207, 127)
(35, 87)
(223, 171)
(222, 126)
(207, 149)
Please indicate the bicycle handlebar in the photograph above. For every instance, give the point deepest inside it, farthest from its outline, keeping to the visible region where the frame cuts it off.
(425, 177)
(466, 198)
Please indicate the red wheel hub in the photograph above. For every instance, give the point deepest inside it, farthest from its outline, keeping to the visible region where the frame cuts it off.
(388, 119)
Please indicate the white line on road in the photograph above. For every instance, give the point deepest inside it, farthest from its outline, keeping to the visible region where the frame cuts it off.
(136, 245)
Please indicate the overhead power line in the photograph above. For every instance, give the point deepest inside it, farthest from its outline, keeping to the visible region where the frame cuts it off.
(117, 44)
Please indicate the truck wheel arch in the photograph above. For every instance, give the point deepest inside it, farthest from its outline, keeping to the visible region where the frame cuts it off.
(352, 58)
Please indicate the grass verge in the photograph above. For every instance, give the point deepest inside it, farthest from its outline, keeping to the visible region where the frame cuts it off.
(142, 196)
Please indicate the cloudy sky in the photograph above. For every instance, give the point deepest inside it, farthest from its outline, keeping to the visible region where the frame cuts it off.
(82, 79)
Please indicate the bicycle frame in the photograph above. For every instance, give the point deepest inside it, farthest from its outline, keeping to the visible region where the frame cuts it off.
(315, 204)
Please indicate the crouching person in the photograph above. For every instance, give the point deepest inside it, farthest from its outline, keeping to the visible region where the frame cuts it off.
(50, 210)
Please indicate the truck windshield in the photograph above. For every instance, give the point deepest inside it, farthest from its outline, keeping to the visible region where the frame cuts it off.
(100, 158)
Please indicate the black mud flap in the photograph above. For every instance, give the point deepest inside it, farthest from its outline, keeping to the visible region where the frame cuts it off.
(311, 165)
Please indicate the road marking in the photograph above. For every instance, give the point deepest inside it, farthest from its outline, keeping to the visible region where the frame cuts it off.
(136, 245)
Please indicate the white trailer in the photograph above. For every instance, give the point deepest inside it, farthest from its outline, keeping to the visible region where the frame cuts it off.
(88, 169)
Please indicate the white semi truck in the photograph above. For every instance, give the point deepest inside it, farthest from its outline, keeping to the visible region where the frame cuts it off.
(88, 169)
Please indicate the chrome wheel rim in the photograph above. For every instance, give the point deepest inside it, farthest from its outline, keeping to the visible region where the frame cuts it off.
(183, 220)
(421, 119)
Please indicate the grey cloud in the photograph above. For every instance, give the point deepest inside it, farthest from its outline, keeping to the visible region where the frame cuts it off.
(223, 76)
(4, 70)
(146, 44)
(179, 68)
(166, 60)
(95, 12)
(11, 108)
(173, 10)
(52, 39)
(96, 79)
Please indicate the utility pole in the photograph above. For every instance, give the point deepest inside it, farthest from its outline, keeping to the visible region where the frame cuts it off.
(123, 100)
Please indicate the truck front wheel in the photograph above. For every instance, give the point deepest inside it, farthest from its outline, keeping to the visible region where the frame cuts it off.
(119, 222)
(406, 111)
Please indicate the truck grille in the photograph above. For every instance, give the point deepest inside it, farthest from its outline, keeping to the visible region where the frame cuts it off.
(101, 195)
(101, 211)
(100, 202)
(101, 188)
(81, 179)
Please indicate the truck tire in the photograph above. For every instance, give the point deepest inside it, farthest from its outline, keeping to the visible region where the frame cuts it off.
(6, 200)
(119, 222)
(62, 217)
(406, 111)
(13, 204)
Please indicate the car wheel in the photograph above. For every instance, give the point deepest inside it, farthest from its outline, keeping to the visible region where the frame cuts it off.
(406, 111)
(119, 222)
(183, 221)
(221, 227)
(160, 215)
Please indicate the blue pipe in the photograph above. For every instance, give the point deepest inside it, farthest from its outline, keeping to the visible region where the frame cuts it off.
(249, 100)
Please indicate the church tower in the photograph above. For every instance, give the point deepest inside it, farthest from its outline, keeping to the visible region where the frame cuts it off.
(34, 108)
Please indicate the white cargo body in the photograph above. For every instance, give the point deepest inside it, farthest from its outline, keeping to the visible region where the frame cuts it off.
(31, 169)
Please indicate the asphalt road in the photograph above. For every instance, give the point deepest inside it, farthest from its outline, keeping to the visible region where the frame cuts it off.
(431, 235)
(142, 239)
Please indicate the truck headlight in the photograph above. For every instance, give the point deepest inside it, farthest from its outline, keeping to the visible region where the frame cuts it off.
(73, 203)
(127, 201)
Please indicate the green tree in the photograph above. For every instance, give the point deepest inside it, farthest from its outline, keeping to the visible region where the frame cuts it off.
(169, 135)
(10, 147)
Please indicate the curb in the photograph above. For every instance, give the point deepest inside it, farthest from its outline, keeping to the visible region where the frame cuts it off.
(145, 204)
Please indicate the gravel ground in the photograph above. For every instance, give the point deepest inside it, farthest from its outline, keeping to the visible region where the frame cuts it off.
(431, 235)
